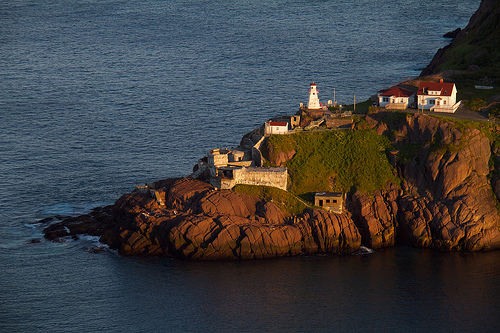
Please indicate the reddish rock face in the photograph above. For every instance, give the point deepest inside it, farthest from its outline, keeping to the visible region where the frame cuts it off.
(376, 217)
(449, 203)
(200, 223)
(279, 158)
(227, 203)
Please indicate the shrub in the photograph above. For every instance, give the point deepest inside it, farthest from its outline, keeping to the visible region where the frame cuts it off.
(476, 104)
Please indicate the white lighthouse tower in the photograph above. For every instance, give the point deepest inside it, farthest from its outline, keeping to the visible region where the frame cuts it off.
(313, 98)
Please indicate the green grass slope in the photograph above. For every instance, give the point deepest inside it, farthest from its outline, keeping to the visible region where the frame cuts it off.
(342, 161)
(286, 201)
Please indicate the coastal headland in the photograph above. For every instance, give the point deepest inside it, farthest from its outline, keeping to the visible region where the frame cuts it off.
(405, 178)
(441, 193)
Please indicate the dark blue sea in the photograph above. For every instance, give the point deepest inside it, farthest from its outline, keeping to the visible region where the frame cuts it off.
(97, 96)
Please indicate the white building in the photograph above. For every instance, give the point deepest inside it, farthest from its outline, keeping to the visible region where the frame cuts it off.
(396, 98)
(225, 158)
(313, 98)
(276, 127)
(438, 97)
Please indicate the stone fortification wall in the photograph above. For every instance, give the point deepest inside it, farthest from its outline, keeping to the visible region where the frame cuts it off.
(275, 177)
(222, 183)
(256, 152)
(218, 157)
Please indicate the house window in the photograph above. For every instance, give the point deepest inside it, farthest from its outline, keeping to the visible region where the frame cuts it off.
(444, 102)
(385, 99)
(431, 101)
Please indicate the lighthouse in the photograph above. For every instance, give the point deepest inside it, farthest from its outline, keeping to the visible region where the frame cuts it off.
(313, 98)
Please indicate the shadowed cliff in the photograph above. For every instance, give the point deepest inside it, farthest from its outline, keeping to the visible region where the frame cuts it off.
(472, 59)
(476, 47)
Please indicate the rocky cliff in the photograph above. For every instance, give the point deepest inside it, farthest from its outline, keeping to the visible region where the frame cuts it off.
(445, 201)
(474, 48)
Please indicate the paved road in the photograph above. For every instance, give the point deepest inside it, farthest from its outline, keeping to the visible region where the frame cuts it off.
(461, 113)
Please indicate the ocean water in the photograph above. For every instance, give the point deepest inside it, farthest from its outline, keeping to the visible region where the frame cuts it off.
(99, 96)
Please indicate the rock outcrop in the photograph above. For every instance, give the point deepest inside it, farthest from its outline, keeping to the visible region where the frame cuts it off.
(375, 217)
(278, 158)
(200, 223)
(447, 201)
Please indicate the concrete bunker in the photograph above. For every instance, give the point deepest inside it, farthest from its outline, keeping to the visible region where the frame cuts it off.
(330, 201)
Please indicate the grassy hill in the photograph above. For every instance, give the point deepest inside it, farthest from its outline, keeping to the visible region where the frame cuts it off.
(342, 161)
(286, 201)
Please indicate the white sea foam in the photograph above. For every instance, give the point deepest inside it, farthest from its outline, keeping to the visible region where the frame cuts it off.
(364, 250)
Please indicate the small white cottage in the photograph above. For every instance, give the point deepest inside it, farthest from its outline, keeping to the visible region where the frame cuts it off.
(438, 96)
(275, 127)
(396, 98)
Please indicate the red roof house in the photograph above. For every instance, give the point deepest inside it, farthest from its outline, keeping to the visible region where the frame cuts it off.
(396, 98)
(276, 127)
(437, 96)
